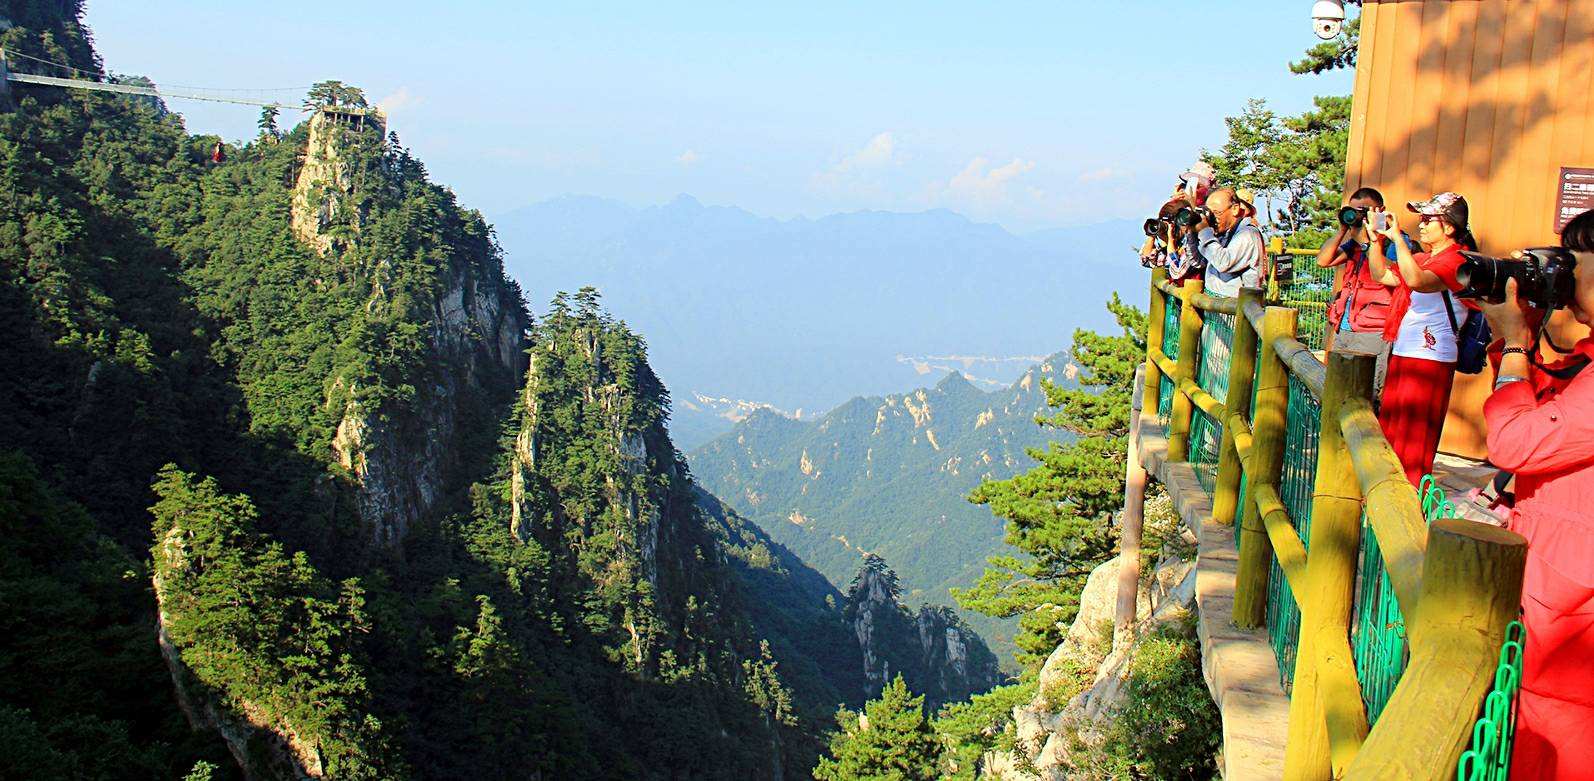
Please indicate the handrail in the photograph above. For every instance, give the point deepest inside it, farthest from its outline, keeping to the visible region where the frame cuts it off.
(1457, 583)
(1301, 363)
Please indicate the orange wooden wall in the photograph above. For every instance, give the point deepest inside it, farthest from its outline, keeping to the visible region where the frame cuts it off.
(1488, 98)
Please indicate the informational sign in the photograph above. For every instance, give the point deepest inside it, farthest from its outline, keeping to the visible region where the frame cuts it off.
(1575, 196)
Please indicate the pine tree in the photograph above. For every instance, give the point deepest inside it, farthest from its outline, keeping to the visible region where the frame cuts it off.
(891, 741)
(1057, 513)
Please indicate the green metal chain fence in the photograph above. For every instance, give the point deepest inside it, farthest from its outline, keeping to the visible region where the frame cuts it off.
(1170, 348)
(1295, 490)
(1309, 291)
(1212, 375)
(1489, 757)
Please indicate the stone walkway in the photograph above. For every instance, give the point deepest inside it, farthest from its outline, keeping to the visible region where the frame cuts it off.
(1238, 664)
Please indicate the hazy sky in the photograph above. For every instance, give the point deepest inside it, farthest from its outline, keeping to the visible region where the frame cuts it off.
(1032, 114)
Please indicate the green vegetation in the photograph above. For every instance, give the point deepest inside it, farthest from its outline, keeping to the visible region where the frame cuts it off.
(891, 741)
(1166, 727)
(1057, 513)
(888, 476)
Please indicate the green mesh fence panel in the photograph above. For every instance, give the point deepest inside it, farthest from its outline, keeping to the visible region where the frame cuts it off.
(1309, 291)
(1170, 348)
(1295, 489)
(1378, 630)
(1489, 756)
(1212, 375)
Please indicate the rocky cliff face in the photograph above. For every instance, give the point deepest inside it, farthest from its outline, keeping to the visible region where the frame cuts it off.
(1084, 680)
(933, 650)
(474, 339)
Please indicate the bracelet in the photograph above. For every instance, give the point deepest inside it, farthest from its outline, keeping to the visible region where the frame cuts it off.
(1523, 351)
(1506, 379)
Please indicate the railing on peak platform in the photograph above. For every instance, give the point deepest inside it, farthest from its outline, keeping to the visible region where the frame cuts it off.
(1387, 619)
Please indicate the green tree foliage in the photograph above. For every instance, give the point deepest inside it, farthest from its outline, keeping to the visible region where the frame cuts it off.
(334, 93)
(1057, 513)
(1166, 727)
(1334, 54)
(980, 724)
(891, 741)
(263, 627)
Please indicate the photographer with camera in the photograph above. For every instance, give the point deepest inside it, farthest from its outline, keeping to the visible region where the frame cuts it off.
(1541, 428)
(1165, 245)
(1359, 310)
(1231, 247)
(1421, 327)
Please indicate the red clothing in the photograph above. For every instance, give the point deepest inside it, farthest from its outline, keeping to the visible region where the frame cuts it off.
(1412, 412)
(1443, 263)
(1366, 298)
(1547, 440)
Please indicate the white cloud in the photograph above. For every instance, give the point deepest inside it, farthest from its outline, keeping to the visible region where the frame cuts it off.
(861, 172)
(399, 100)
(980, 185)
(1106, 174)
(689, 158)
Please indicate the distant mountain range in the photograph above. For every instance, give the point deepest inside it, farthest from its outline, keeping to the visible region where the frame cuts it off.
(806, 313)
(888, 475)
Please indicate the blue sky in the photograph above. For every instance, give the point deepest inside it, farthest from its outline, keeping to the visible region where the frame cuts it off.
(1032, 114)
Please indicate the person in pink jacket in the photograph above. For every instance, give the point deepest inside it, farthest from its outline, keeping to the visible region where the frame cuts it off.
(1541, 427)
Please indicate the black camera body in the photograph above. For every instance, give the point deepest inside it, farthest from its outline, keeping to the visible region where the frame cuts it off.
(1352, 216)
(1544, 277)
(1191, 216)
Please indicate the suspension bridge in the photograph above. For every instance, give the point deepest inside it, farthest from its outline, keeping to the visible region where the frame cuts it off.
(76, 78)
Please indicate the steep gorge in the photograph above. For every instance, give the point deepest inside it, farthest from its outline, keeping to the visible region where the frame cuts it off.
(395, 527)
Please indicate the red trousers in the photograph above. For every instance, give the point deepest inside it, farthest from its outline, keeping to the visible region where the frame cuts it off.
(1416, 397)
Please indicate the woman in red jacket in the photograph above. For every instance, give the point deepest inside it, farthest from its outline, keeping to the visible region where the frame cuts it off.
(1421, 325)
(1541, 427)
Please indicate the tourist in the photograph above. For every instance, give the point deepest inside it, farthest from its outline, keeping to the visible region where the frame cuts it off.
(1232, 248)
(1357, 315)
(1421, 327)
(1541, 428)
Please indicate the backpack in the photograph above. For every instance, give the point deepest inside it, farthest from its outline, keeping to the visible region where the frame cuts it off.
(1472, 339)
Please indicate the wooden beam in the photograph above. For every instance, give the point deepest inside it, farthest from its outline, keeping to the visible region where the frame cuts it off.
(1189, 349)
(1242, 375)
(1330, 589)
(1267, 462)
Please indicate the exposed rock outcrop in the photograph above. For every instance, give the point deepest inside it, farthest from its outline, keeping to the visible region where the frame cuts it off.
(932, 649)
(1062, 716)
(400, 456)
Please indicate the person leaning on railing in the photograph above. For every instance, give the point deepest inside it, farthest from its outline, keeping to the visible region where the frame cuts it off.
(1360, 308)
(1233, 249)
(1541, 427)
(1421, 328)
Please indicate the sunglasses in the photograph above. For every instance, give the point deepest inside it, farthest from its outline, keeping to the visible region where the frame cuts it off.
(1427, 218)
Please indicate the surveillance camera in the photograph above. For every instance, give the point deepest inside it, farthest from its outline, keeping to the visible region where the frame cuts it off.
(1328, 18)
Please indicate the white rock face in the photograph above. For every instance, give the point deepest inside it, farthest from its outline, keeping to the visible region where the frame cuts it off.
(1045, 729)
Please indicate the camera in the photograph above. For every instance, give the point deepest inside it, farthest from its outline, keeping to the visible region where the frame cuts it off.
(1352, 217)
(1154, 227)
(1190, 216)
(1328, 18)
(1543, 274)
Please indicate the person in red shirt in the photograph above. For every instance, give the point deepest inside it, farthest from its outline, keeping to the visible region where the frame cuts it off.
(1357, 315)
(1541, 428)
(1421, 326)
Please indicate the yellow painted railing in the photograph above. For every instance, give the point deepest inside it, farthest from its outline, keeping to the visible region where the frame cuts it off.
(1458, 582)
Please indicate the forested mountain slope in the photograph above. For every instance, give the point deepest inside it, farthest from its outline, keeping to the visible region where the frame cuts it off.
(889, 476)
(285, 459)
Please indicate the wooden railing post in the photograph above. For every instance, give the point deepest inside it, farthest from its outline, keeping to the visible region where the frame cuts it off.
(1242, 374)
(1471, 590)
(1189, 346)
(1156, 318)
(1267, 463)
(1318, 706)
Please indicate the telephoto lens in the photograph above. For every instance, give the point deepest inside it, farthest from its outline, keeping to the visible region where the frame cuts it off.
(1544, 277)
(1153, 227)
(1352, 217)
(1190, 215)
